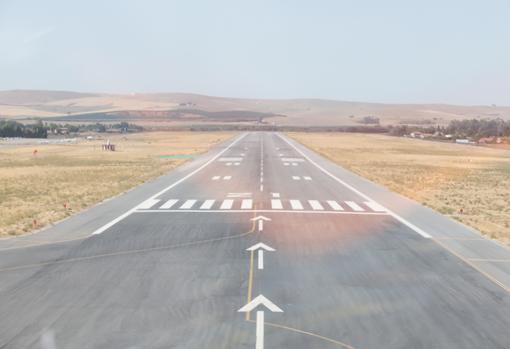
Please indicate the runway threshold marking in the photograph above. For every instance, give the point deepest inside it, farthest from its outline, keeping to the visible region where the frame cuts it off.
(130, 211)
(167, 205)
(363, 195)
(148, 203)
(400, 219)
(275, 211)
(207, 204)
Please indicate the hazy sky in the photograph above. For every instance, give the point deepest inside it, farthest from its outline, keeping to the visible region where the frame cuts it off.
(383, 51)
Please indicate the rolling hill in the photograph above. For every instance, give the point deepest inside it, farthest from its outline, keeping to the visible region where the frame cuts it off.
(193, 108)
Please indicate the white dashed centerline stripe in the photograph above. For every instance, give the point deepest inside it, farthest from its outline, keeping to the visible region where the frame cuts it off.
(354, 206)
(374, 206)
(335, 205)
(148, 204)
(226, 204)
(316, 205)
(168, 204)
(296, 205)
(246, 204)
(207, 204)
(276, 204)
(188, 204)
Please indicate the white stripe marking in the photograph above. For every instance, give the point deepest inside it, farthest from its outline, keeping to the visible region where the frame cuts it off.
(229, 164)
(188, 204)
(335, 205)
(364, 196)
(215, 178)
(226, 178)
(132, 210)
(296, 178)
(316, 205)
(168, 204)
(294, 164)
(374, 206)
(296, 205)
(307, 178)
(276, 195)
(354, 206)
(148, 204)
(293, 160)
(236, 163)
(239, 195)
(276, 204)
(207, 204)
(232, 159)
(226, 204)
(246, 204)
(260, 259)
(285, 164)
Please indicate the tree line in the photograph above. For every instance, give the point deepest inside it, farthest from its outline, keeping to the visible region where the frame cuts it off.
(11, 128)
(468, 128)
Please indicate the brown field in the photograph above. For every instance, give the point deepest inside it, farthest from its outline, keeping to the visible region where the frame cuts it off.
(297, 112)
(36, 187)
(446, 177)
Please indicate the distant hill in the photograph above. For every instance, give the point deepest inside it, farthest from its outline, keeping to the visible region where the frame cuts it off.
(186, 107)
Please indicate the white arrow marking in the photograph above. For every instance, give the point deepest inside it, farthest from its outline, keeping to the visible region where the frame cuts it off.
(260, 246)
(260, 300)
(260, 255)
(260, 218)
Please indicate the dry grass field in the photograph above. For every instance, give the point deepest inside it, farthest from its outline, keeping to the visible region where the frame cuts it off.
(36, 187)
(445, 177)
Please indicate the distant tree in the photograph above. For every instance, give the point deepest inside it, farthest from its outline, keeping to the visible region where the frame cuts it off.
(367, 120)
